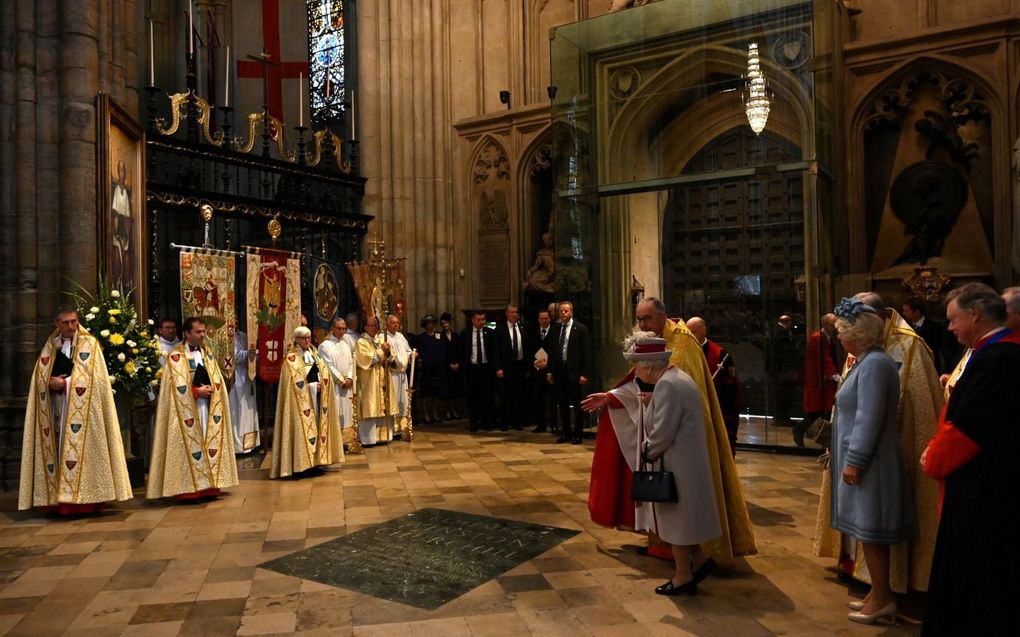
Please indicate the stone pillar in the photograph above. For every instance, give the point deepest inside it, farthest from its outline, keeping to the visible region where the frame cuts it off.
(55, 57)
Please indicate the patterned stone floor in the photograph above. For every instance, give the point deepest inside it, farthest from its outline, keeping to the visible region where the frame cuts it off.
(157, 569)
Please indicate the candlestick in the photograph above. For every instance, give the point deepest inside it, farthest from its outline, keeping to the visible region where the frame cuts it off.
(152, 58)
(226, 81)
(191, 29)
(300, 99)
(354, 120)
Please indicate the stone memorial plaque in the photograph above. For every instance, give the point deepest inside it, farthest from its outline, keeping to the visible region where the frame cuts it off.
(424, 559)
(494, 267)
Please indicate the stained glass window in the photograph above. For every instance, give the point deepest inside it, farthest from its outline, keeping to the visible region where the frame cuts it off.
(327, 57)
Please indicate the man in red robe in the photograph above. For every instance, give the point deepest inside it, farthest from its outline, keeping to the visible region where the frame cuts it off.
(973, 587)
(821, 375)
(724, 377)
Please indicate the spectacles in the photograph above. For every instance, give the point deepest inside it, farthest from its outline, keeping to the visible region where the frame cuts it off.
(645, 318)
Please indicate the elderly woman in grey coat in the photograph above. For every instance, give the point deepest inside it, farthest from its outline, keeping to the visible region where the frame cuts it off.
(872, 500)
(665, 406)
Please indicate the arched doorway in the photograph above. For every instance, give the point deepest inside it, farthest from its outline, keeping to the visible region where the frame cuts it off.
(733, 253)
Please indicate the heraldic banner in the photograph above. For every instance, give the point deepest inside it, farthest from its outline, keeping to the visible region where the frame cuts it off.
(326, 296)
(380, 287)
(207, 291)
(274, 308)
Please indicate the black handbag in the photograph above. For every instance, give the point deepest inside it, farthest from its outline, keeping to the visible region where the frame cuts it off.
(653, 486)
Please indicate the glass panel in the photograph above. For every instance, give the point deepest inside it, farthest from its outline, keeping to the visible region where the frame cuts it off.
(692, 147)
(326, 58)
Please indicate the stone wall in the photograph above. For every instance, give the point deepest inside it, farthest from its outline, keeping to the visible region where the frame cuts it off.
(55, 58)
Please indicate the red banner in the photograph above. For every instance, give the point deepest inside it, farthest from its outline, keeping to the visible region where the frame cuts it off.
(271, 284)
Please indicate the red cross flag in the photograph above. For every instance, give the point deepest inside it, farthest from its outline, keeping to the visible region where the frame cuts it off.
(280, 29)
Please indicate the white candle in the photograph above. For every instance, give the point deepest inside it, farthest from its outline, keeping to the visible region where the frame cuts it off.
(152, 58)
(300, 99)
(191, 29)
(226, 80)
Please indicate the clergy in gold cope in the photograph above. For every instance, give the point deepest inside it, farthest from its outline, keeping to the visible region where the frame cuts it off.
(306, 430)
(72, 456)
(192, 441)
(376, 399)
(606, 496)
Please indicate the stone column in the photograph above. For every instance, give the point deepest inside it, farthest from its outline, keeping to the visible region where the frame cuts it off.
(55, 57)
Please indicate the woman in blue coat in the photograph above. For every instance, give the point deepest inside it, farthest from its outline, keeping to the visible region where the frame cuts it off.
(872, 500)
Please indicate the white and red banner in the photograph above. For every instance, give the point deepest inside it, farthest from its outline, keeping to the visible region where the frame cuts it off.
(274, 308)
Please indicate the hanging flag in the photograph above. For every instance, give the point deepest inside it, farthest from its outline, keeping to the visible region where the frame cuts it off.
(327, 296)
(207, 291)
(274, 308)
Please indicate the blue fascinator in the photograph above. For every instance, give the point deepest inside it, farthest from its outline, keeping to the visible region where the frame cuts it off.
(849, 309)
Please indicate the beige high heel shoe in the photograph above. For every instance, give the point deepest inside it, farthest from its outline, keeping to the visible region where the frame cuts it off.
(856, 605)
(889, 610)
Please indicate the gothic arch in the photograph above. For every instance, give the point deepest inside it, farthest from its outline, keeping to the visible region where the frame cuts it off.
(492, 213)
(884, 102)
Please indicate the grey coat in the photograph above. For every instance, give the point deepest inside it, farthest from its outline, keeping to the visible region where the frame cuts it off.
(677, 434)
(879, 509)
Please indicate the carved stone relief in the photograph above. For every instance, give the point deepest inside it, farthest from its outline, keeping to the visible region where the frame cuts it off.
(492, 185)
(928, 143)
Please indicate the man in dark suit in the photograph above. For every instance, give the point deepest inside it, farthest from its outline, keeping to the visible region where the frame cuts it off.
(543, 337)
(512, 345)
(571, 372)
(479, 351)
(933, 333)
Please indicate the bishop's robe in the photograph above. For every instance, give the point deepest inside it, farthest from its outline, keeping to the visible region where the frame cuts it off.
(306, 430)
(193, 440)
(72, 453)
(917, 413)
(609, 501)
(376, 401)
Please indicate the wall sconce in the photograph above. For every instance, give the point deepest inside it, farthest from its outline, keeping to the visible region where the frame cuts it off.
(756, 98)
(551, 90)
(504, 98)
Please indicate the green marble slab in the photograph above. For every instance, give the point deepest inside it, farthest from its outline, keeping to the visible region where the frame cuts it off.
(424, 559)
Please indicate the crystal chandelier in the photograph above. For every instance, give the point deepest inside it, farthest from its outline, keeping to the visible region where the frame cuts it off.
(756, 98)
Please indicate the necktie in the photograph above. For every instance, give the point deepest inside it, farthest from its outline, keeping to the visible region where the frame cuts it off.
(517, 354)
(545, 330)
(563, 342)
(479, 358)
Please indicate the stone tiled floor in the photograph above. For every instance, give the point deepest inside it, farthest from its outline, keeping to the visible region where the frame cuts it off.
(153, 569)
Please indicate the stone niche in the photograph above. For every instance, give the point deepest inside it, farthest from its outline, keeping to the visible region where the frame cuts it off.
(491, 198)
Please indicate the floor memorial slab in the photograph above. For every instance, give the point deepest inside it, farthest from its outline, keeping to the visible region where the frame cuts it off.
(423, 559)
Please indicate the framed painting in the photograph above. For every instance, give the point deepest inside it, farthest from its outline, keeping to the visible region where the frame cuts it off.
(121, 193)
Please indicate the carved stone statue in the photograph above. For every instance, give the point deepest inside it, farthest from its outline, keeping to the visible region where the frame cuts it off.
(541, 277)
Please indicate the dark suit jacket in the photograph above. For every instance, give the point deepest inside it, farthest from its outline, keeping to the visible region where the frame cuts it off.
(536, 342)
(504, 346)
(578, 361)
(933, 334)
(467, 343)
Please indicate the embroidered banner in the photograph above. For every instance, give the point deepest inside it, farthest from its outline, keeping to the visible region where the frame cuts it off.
(274, 308)
(207, 291)
(380, 287)
(327, 296)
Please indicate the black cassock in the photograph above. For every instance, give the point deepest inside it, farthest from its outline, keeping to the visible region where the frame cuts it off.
(975, 577)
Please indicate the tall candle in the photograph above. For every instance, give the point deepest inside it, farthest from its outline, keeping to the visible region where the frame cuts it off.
(152, 58)
(354, 120)
(191, 29)
(300, 99)
(226, 80)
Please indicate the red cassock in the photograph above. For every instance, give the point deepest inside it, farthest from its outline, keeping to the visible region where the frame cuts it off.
(609, 501)
(819, 368)
(727, 387)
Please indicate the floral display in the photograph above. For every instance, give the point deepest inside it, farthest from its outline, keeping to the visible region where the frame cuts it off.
(131, 351)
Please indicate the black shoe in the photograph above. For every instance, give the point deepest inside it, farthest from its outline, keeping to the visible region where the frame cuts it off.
(642, 550)
(707, 568)
(690, 588)
(562, 439)
(504, 428)
(575, 441)
(540, 430)
(516, 427)
(798, 438)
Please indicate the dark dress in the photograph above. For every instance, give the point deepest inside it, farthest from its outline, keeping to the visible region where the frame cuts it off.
(432, 355)
(454, 354)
